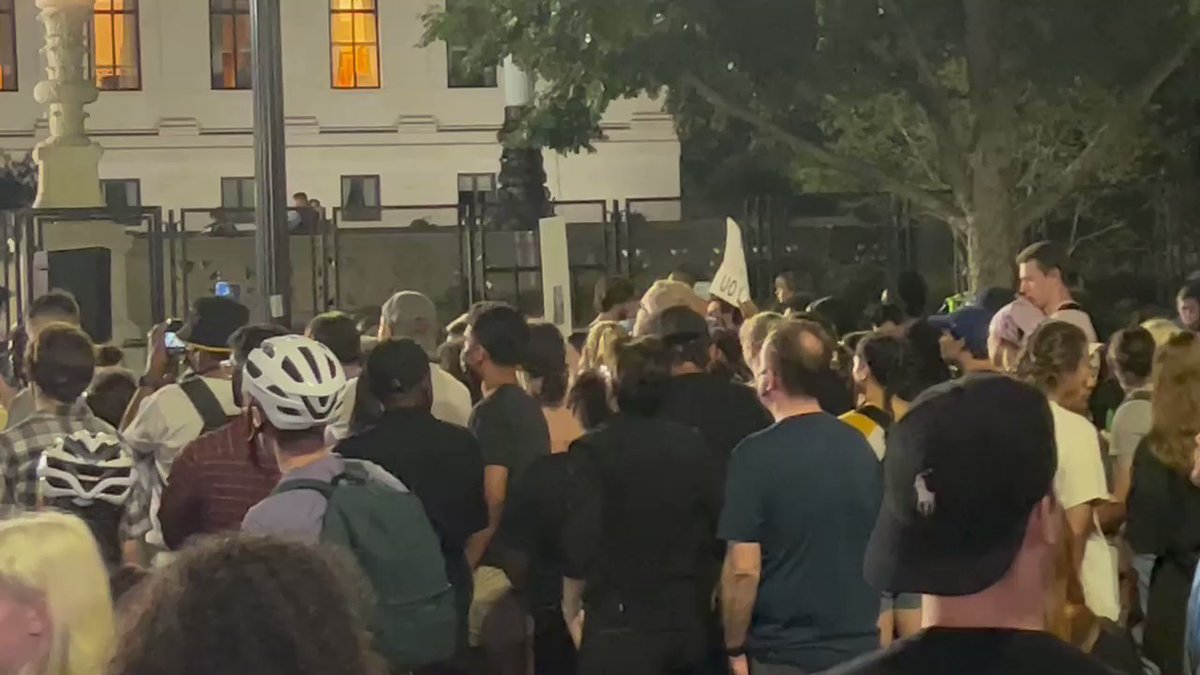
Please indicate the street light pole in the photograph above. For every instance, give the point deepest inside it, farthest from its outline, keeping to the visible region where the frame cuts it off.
(271, 241)
(522, 197)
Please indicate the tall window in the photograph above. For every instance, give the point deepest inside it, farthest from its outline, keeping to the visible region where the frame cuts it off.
(354, 39)
(8, 47)
(360, 198)
(229, 39)
(459, 75)
(116, 47)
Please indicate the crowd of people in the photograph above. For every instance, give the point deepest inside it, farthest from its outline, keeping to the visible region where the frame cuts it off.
(686, 487)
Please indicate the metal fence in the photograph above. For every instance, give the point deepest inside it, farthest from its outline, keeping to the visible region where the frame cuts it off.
(355, 259)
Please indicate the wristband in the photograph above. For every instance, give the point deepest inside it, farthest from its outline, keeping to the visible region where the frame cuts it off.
(735, 652)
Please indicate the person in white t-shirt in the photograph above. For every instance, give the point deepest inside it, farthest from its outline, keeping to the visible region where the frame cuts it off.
(164, 416)
(1044, 268)
(1056, 360)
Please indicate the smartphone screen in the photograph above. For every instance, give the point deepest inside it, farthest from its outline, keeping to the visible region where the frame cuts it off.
(174, 344)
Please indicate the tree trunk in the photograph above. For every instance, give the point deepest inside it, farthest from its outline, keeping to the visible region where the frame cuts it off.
(992, 243)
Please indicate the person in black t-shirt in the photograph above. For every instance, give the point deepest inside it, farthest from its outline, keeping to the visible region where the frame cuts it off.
(512, 433)
(969, 519)
(639, 530)
(724, 412)
(440, 462)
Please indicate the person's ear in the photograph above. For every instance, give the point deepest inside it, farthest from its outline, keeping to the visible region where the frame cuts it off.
(1048, 520)
(36, 615)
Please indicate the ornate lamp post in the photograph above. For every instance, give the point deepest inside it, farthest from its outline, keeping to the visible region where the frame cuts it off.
(68, 161)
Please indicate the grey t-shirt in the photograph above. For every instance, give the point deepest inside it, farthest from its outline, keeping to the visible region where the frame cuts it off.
(298, 514)
(1131, 423)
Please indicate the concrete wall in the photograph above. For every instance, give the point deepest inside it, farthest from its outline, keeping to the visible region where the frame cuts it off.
(179, 137)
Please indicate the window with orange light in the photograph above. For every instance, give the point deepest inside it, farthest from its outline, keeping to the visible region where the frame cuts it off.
(116, 45)
(229, 41)
(8, 46)
(354, 40)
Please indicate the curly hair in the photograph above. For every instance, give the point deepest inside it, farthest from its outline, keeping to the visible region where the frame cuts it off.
(242, 604)
(1056, 349)
(1176, 403)
(600, 349)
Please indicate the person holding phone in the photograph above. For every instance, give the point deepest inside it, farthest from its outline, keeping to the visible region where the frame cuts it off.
(165, 414)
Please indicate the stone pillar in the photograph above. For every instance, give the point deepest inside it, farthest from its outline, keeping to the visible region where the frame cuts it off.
(522, 196)
(68, 161)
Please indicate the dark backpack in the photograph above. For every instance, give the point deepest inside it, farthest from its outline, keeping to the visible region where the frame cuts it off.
(414, 620)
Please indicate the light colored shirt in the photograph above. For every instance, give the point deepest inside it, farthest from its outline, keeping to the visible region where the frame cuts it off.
(167, 421)
(451, 403)
(1079, 318)
(1131, 423)
(1080, 480)
(299, 514)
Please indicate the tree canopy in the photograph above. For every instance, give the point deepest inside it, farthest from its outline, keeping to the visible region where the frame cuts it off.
(983, 114)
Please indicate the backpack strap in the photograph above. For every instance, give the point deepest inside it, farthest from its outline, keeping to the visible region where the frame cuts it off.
(326, 489)
(352, 472)
(205, 402)
(1142, 395)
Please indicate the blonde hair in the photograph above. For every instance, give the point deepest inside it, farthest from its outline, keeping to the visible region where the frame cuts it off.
(53, 557)
(600, 348)
(665, 294)
(754, 332)
(1176, 402)
(1162, 330)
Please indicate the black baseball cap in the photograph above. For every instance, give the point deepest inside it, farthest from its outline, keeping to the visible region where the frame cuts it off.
(962, 472)
(397, 367)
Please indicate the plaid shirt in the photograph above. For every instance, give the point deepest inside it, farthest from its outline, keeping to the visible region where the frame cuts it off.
(21, 447)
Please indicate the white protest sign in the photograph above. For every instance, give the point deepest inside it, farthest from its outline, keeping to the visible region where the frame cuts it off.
(732, 281)
(556, 273)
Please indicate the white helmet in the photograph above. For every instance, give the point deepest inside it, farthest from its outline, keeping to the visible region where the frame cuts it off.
(87, 467)
(297, 381)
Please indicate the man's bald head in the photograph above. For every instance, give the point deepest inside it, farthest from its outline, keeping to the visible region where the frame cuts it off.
(795, 355)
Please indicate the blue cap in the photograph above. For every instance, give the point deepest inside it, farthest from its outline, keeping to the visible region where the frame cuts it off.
(969, 324)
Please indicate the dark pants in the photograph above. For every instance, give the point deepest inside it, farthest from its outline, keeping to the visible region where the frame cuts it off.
(666, 635)
(553, 649)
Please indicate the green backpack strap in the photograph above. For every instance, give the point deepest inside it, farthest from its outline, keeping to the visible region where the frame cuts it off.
(326, 489)
(352, 472)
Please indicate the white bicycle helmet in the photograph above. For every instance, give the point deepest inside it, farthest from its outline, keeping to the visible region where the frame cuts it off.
(87, 467)
(297, 381)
